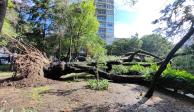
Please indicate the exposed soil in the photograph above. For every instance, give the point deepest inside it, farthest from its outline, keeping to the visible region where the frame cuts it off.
(75, 96)
(25, 81)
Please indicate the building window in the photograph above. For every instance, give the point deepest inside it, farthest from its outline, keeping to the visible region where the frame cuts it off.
(110, 18)
(110, 12)
(101, 18)
(101, 6)
(110, 1)
(102, 35)
(110, 30)
(101, 11)
(101, 0)
(102, 30)
(103, 25)
(110, 25)
(108, 6)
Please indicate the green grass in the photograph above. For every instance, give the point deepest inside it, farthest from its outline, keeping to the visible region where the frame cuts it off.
(6, 74)
(101, 85)
(29, 110)
(35, 93)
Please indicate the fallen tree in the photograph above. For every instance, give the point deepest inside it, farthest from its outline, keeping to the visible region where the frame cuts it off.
(29, 67)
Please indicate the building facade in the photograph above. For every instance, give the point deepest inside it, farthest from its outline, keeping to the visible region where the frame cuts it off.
(105, 16)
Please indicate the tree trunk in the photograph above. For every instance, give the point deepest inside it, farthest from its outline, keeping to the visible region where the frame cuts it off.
(3, 6)
(167, 60)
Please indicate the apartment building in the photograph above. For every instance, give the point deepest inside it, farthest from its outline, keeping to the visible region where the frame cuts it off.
(105, 16)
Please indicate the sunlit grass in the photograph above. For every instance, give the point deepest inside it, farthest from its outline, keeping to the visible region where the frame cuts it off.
(6, 74)
(35, 92)
(29, 110)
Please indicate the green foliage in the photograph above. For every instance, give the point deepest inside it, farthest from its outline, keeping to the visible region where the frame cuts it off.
(119, 69)
(98, 85)
(170, 72)
(94, 46)
(80, 25)
(5, 67)
(156, 44)
(185, 62)
(30, 109)
(9, 24)
(122, 46)
(146, 72)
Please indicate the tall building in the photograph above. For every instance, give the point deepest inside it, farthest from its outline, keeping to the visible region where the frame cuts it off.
(105, 15)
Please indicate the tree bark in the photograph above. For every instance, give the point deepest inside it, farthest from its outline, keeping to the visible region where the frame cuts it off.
(167, 60)
(3, 6)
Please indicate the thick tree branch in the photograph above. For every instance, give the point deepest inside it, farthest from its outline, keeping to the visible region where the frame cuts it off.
(167, 60)
(3, 6)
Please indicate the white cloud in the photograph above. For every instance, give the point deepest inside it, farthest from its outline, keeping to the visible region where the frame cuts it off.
(147, 11)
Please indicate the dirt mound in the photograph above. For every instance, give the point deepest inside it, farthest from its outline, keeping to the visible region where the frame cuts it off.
(21, 81)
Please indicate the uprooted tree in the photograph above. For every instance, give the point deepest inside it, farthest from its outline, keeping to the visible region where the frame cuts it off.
(29, 66)
(177, 16)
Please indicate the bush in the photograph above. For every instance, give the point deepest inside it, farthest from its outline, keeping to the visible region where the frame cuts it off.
(5, 67)
(95, 85)
(178, 74)
(147, 72)
(119, 69)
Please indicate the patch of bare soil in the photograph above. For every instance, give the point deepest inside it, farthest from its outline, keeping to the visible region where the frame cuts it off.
(76, 97)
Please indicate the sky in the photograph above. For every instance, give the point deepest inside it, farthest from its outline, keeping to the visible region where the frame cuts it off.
(138, 18)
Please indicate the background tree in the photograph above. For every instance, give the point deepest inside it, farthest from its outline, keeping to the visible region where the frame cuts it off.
(156, 44)
(79, 21)
(10, 22)
(186, 61)
(35, 14)
(122, 46)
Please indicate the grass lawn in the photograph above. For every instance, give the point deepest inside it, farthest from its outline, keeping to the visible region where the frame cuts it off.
(6, 74)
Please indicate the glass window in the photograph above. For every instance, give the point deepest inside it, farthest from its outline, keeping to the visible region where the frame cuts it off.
(110, 12)
(110, 1)
(102, 30)
(102, 24)
(108, 6)
(101, 18)
(110, 25)
(110, 30)
(110, 18)
(102, 35)
(101, 11)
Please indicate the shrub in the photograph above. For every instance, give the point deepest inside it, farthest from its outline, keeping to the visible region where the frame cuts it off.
(98, 85)
(119, 69)
(145, 71)
(5, 67)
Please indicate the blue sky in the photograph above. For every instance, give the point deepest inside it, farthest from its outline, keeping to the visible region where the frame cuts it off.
(137, 19)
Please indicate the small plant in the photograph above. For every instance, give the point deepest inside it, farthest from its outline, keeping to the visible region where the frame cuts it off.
(137, 67)
(35, 93)
(147, 72)
(98, 85)
(29, 110)
(119, 69)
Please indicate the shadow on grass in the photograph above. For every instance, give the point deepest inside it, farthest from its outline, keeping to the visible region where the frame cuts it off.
(98, 108)
(59, 92)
